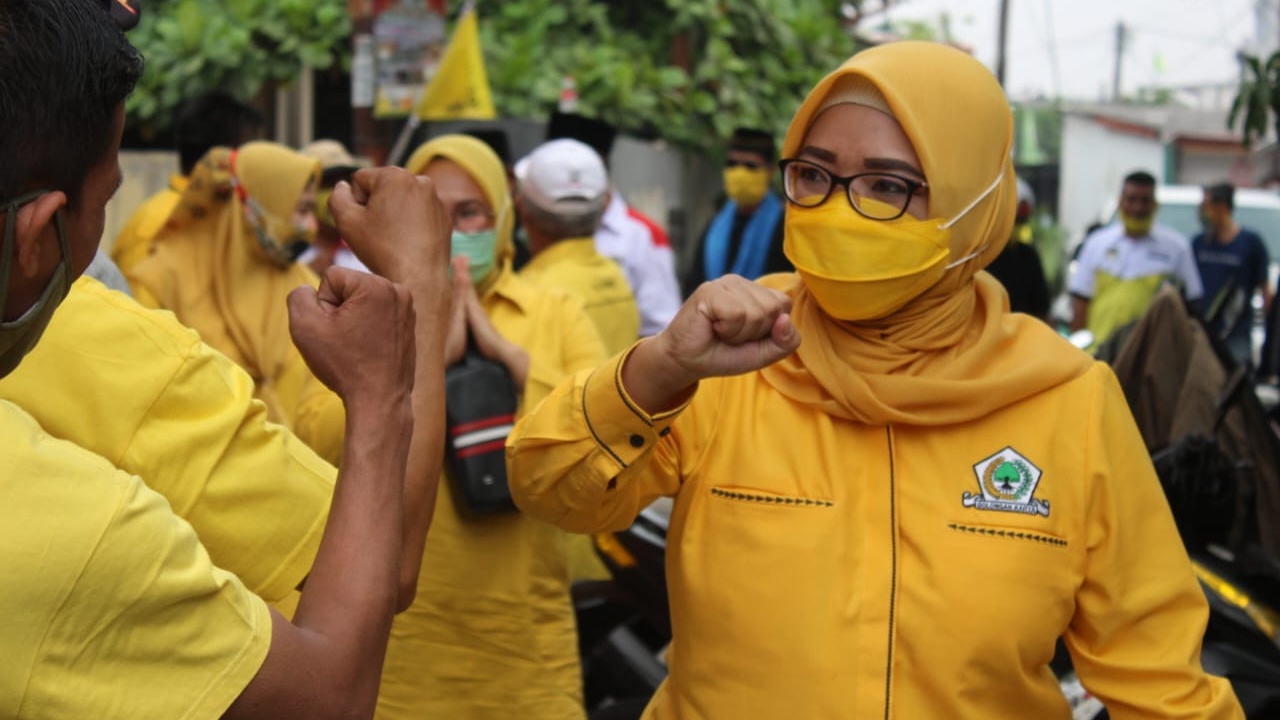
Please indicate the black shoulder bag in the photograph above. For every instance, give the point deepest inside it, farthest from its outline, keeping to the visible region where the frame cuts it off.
(480, 408)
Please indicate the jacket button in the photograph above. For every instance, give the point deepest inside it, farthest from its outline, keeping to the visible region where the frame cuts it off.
(637, 441)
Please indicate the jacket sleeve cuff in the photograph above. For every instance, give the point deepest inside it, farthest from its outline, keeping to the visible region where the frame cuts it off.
(617, 424)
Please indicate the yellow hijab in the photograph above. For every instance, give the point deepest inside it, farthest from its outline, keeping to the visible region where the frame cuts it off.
(954, 353)
(486, 168)
(210, 269)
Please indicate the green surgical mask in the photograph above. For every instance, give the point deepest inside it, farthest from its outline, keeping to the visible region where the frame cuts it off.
(18, 337)
(478, 248)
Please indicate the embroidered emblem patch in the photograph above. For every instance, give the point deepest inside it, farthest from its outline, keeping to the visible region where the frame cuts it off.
(1008, 482)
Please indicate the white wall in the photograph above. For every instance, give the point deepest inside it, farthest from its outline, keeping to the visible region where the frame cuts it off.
(145, 173)
(1095, 160)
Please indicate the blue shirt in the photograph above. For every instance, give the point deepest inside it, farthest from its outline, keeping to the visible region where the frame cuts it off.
(1244, 258)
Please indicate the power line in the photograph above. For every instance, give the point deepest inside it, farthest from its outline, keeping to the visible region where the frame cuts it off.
(1052, 49)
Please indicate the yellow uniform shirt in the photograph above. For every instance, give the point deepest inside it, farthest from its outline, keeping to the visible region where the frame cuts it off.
(491, 635)
(133, 243)
(576, 266)
(142, 391)
(110, 608)
(823, 568)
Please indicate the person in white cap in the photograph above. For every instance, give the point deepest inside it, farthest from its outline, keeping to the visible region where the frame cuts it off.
(562, 193)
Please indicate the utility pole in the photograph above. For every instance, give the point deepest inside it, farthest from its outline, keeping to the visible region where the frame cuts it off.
(1002, 43)
(1120, 38)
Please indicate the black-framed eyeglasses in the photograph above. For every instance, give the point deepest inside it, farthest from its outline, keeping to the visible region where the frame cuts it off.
(874, 195)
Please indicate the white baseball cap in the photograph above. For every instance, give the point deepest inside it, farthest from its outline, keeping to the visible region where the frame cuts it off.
(563, 176)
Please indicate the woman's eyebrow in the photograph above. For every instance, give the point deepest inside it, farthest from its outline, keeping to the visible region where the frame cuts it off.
(875, 163)
(819, 153)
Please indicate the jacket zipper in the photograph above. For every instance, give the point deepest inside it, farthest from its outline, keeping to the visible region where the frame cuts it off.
(893, 573)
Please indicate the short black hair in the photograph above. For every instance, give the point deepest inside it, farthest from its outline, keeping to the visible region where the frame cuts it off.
(210, 120)
(65, 67)
(1223, 193)
(1140, 177)
(750, 140)
(599, 134)
(496, 138)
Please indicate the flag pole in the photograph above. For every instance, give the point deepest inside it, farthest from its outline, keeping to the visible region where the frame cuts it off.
(402, 142)
(396, 156)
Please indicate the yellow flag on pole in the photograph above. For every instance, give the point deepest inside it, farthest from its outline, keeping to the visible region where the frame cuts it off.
(459, 90)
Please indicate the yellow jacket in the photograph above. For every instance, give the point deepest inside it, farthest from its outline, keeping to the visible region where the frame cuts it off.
(575, 265)
(491, 634)
(136, 387)
(825, 568)
(133, 243)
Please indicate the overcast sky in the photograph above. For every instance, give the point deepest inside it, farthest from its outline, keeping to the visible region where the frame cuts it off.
(1067, 47)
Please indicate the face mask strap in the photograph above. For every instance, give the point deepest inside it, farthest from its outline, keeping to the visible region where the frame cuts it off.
(10, 210)
(973, 204)
(966, 258)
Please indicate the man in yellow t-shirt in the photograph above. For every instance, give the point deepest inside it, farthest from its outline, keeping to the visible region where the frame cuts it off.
(111, 607)
(138, 388)
(562, 192)
(206, 121)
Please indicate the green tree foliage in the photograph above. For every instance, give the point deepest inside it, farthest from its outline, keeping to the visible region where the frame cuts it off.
(237, 46)
(749, 62)
(687, 71)
(1257, 102)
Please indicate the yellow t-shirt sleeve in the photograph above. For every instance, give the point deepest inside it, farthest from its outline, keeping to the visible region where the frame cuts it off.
(151, 628)
(256, 494)
(112, 608)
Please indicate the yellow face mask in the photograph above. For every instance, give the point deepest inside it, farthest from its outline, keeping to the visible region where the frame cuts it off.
(863, 269)
(746, 186)
(1137, 227)
(323, 216)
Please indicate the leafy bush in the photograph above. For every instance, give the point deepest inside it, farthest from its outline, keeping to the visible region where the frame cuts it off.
(750, 61)
(193, 46)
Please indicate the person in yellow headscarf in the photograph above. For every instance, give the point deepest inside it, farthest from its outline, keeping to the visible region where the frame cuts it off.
(892, 495)
(209, 120)
(491, 634)
(224, 264)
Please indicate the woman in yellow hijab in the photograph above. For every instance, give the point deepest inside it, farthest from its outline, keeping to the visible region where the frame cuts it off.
(491, 634)
(892, 496)
(224, 264)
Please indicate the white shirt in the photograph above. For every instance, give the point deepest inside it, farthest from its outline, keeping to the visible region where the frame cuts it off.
(1163, 251)
(647, 260)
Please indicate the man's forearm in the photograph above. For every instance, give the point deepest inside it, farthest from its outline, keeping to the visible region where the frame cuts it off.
(1079, 313)
(426, 452)
(350, 595)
